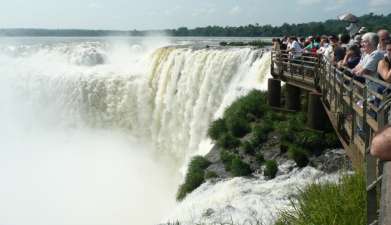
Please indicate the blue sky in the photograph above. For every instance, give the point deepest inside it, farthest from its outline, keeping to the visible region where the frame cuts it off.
(153, 14)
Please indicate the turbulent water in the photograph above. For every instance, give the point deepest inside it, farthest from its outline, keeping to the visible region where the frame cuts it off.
(97, 131)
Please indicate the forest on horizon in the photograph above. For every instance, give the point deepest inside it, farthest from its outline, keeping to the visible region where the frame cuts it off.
(371, 21)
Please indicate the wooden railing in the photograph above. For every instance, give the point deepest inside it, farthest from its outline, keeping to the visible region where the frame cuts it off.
(356, 111)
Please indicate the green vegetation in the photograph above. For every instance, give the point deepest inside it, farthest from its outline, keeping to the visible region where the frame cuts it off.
(227, 141)
(329, 204)
(259, 43)
(210, 175)
(270, 169)
(217, 129)
(227, 157)
(240, 168)
(194, 177)
(299, 155)
(246, 125)
(259, 158)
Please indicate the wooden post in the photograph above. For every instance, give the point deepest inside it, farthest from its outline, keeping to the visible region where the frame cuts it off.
(292, 97)
(316, 114)
(274, 92)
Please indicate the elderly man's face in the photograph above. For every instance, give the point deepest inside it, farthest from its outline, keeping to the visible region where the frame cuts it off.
(366, 46)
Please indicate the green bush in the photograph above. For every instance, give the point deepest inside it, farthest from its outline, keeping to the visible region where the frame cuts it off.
(249, 107)
(227, 141)
(285, 131)
(217, 129)
(261, 131)
(259, 158)
(270, 169)
(240, 168)
(343, 204)
(331, 140)
(298, 155)
(311, 140)
(194, 177)
(210, 175)
(227, 157)
(248, 148)
(284, 147)
(238, 126)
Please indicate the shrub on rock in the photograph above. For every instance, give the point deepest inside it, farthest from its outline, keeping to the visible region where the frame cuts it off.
(240, 168)
(270, 169)
(217, 129)
(299, 155)
(227, 141)
(238, 126)
(194, 177)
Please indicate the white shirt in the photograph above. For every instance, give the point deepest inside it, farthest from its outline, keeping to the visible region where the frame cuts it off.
(296, 50)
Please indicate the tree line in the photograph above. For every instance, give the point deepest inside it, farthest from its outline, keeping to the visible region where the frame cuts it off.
(371, 21)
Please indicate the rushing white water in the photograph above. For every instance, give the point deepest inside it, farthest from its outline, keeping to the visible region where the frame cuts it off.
(245, 201)
(95, 132)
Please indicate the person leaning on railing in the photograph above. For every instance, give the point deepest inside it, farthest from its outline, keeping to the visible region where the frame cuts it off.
(369, 60)
(352, 57)
(384, 67)
(381, 144)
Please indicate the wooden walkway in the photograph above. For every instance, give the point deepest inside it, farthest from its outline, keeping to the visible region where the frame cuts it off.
(356, 113)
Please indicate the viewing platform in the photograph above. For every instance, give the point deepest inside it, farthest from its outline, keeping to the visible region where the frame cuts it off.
(355, 111)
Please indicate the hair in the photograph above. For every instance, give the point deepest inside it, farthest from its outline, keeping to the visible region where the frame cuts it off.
(372, 38)
(355, 49)
(345, 38)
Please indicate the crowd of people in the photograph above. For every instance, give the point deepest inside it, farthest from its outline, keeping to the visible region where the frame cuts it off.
(365, 53)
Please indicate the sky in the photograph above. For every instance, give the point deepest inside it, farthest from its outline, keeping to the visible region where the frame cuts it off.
(167, 14)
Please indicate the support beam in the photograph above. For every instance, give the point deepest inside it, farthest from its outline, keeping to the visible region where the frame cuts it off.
(315, 112)
(274, 92)
(292, 97)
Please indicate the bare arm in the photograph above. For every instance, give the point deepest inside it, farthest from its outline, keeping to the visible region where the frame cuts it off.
(384, 70)
(381, 144)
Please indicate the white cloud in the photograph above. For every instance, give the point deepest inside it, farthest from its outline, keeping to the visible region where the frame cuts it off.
(235, 10)
(377, 3)
(308, 2)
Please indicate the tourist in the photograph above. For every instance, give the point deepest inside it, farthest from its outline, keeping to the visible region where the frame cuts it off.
(381, 144)
(313, 46)
(294, 48)
(352, 57)
(340, 50)
(370, 58)
(384, 36)
(384, 67)
(276, 44)
(329, 53)
(324, 43)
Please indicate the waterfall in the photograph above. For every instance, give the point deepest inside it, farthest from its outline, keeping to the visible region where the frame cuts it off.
(88, 126)
(170, 103)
